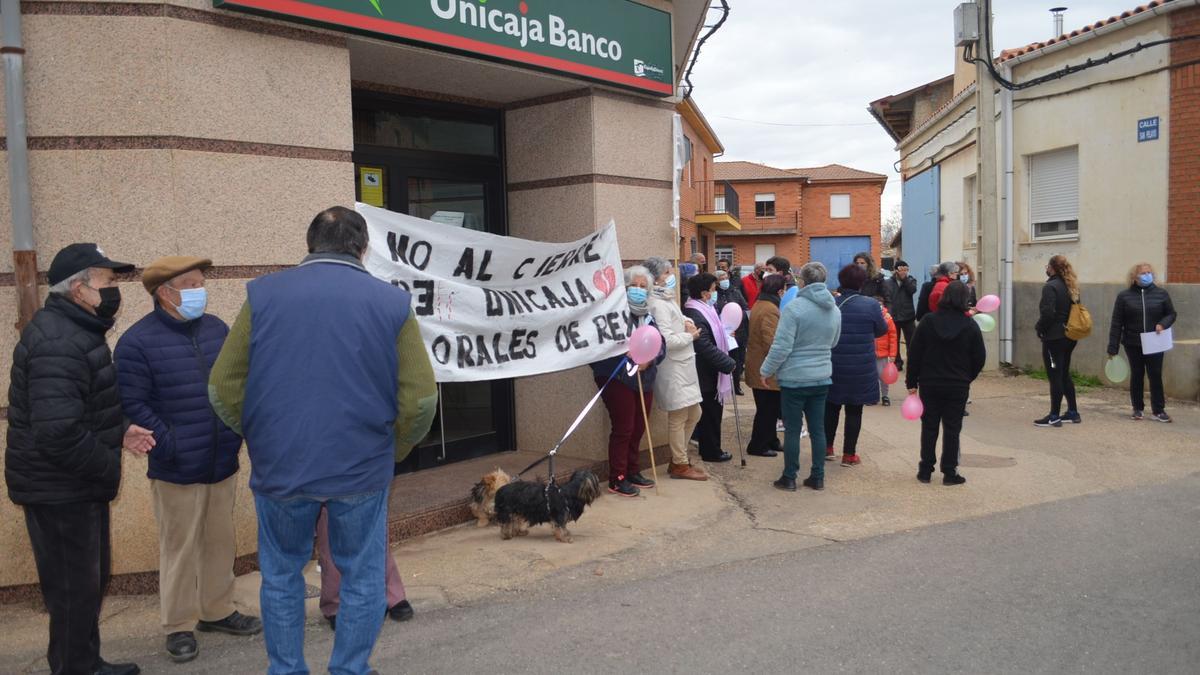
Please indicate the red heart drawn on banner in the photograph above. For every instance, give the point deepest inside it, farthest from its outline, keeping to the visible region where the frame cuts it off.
(605, 280)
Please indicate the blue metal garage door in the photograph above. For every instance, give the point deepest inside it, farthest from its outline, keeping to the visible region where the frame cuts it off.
(837, 252)
(921, 225)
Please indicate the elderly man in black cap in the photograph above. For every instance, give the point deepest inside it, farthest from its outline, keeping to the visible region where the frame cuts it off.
(63, 459)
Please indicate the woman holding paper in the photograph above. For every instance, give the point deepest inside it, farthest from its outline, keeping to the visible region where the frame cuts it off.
(676, 389)
(1143, 308)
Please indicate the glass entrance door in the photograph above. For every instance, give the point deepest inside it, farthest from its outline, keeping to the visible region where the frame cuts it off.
(441, 163)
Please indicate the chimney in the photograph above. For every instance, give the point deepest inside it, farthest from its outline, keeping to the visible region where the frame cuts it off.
(1058, 13)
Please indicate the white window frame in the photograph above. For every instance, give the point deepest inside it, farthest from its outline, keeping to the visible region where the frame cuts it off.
(970, 211)
(836, 201)
(724, 252)
(764, 198)
(1053, 189)
(719, 204)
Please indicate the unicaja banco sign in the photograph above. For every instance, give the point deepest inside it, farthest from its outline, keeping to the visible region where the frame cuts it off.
(619, 42)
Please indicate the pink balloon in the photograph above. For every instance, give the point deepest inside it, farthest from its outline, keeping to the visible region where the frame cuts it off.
(645, 344)
(890, 374)
(912, 407)
(988, 303)
(731, 316)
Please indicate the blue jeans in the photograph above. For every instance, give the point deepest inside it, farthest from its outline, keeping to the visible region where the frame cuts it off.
(357, 539)
(806, 403)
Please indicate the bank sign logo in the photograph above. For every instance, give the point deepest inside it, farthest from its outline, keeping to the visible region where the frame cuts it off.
(643, 69)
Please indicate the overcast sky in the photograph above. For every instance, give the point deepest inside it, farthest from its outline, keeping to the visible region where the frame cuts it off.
(800, 62)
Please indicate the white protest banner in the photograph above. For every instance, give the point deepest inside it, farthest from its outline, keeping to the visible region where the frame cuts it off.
(493, 307)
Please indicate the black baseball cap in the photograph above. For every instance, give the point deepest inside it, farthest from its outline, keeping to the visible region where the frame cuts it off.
(76, 258)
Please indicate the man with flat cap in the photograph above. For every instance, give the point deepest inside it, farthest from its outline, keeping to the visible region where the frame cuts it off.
(163, 362)
(63, 458)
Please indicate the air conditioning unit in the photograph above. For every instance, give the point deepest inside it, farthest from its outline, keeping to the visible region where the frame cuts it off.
(966, 24)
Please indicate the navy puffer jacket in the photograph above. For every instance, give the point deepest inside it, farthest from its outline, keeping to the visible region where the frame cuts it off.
(855, 380)
(162, 370)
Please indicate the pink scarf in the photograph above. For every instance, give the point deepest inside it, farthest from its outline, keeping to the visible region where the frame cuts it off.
(724, 380)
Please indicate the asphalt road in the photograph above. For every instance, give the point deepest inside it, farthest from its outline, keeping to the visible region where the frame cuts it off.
(1108, 583)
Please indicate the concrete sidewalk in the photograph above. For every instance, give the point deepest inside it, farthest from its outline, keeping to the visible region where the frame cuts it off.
(735, 517)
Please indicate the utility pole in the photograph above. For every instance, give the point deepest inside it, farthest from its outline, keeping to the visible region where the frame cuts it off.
(988, 245)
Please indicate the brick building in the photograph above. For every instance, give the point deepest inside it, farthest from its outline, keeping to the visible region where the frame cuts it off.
(699, 220)
(825, 213)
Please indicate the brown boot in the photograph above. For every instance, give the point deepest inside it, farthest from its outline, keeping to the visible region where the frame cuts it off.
(685, 472)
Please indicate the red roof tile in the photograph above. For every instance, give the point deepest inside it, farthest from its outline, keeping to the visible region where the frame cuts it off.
(1034, 46)
(832, 172)
(750, 171)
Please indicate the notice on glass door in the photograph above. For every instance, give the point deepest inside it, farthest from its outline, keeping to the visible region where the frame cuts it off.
(370, 185)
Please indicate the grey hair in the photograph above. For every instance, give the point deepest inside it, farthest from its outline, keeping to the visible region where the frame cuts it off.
(948, 268)
(656, 265)
(720, 274)
(64, 287)
(813, 273)
(637, 271)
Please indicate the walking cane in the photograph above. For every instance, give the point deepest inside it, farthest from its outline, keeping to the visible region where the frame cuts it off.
(649, 440)
(737, 425)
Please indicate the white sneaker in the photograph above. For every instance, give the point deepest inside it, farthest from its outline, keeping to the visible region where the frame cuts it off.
(779, 426)
(803, 432)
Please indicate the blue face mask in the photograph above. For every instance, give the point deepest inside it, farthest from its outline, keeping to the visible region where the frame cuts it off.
(637, 296)
(1145, 279)
(724, 284)
(965, 278)
(669, 284)
(192, 302)
(712, 299)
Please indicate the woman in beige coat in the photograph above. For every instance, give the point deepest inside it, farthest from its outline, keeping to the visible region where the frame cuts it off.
(676, 389)
(764, 318)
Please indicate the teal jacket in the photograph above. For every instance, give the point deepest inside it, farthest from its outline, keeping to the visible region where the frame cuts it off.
(809, 327)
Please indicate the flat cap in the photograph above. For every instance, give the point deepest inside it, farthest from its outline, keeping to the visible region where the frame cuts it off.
(164, 269)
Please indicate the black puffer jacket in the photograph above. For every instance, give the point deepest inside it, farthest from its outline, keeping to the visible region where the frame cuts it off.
(1138, 310)
(1054, 309)
(65, 426)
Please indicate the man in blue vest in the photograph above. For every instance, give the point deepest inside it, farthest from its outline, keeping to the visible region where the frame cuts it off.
(324, 374)
(163, 362)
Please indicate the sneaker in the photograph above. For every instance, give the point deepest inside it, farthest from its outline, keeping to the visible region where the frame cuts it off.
(786, 484)
(1048, 421)
(401, 611)
(830, 455)
(779, 427)
(640, 481)
(623, 487)
(234, 624)
(803, 432)
(1136, 416)
(814, 483)
(1073, 417)
(765, 452)
(953, 479)
(1161, 417)
(181, 646)
(685, 472)
(850, 460)
(886, 401)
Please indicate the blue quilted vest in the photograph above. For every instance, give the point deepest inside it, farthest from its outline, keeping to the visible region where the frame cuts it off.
(321, 390)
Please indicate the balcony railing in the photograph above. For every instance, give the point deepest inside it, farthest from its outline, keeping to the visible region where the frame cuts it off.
(723, 198)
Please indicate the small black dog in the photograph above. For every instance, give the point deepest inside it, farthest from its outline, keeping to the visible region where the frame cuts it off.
(521, 504)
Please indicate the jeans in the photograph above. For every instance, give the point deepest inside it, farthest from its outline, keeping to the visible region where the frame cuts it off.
(1141, 365)
(767, 412)
(331, 578)
(708, 431)
(904, 329)
(853, 425)
(628, 426)
(798, 403)
(71, 548)
(944, 408)
(357, 539)
(1056, 355)
(880, 364)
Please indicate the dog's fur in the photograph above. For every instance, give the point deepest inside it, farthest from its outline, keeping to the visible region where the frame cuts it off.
(521, 504)
(483, 496)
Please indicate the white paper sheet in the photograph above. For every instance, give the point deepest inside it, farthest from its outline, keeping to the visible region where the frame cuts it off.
(1156, 343)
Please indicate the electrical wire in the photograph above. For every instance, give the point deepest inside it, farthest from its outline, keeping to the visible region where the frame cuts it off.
(687, 77)
(969, 57)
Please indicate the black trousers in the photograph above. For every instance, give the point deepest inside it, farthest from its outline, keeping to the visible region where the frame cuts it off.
(768, 408)
(1056, 355)
(708, 431)
(1141, 365)
(853, 426)
(944, 408)
(904, 329)
(72, 551)
(739, 357)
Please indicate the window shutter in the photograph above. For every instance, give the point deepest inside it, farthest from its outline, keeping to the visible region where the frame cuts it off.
(1054, 186)
(839, 206)
(765, 197)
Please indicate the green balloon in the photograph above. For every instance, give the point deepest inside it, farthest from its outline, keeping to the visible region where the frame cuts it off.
(1117, 369)
(986, 323)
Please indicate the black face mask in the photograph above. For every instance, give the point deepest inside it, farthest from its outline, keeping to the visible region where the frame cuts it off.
(110, 302)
